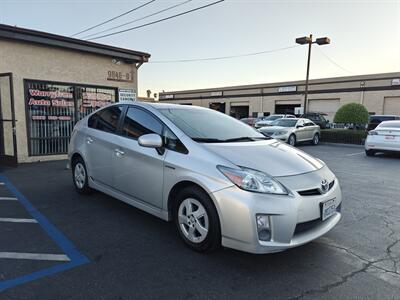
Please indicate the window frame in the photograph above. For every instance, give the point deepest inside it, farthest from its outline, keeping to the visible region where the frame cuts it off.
(163, 127)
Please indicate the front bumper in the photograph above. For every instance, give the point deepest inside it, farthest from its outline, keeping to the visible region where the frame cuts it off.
(294, 219)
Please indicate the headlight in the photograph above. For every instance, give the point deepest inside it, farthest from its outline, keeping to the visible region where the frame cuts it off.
(253, 181)
(283, 132)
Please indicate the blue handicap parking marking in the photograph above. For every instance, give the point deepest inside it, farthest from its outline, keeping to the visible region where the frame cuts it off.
(75, 257)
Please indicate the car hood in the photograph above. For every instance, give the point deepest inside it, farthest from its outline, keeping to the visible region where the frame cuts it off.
(272, 157)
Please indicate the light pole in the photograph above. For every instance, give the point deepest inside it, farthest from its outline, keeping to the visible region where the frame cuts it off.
(308, 40)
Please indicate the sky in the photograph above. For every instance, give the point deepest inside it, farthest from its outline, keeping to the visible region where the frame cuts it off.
(365, 37)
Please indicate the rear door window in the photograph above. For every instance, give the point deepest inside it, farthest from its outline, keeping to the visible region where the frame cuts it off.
(106, 119)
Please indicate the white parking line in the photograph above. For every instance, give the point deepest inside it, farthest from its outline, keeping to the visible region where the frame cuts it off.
(352, 154)
(9, 198)
(34, 256)
(18, 220)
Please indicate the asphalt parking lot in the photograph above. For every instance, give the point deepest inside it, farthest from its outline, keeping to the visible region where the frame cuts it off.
(105, 249)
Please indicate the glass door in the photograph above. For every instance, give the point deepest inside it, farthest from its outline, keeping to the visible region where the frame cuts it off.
(8, 142)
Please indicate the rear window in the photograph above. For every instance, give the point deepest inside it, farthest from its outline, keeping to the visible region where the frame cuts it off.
(378, 119)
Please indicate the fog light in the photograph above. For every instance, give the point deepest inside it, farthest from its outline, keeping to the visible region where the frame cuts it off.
(263, 227)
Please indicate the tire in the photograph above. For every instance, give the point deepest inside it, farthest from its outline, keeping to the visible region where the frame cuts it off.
(194, 211)
(315, 140)
(370, 152)
(292, 140)
(80, 177)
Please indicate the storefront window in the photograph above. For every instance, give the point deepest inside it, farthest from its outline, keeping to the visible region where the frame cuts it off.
(53, 110)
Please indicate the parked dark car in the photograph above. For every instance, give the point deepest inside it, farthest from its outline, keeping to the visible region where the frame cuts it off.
(250, 121)
(317, 118)
(375, 120)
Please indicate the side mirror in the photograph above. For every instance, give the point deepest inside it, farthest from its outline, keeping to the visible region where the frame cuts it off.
(150, 140)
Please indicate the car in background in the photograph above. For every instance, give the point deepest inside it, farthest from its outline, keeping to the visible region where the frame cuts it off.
(220, 181)
(267, 121)
(375, 120)
(293, 131)
(317, 118)
(385, 137)
(250, 121)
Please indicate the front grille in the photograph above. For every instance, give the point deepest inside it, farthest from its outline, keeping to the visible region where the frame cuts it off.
(302, 227)
(315, 192)
(305, 226)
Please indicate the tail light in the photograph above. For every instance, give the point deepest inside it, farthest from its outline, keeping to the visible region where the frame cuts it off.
(372, 132)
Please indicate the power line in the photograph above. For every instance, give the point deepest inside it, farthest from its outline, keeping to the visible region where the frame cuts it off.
(157, 21)
(221, 57)
(140, 19)
(335, 63)
(112, 19)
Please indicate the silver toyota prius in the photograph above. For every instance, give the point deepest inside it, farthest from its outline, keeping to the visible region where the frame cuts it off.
(220, 180)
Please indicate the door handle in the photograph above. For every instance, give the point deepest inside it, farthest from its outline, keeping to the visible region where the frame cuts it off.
(89, 140)
(119, 152)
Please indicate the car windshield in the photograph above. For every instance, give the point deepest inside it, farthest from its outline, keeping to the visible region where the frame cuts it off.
(378, 119)
(389, 124)
(206, 125)
(285, 122)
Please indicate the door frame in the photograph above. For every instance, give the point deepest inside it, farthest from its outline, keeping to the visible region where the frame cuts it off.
(9, 160)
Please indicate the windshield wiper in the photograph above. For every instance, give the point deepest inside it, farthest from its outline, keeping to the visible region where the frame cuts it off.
(238, 139)
(207, 140)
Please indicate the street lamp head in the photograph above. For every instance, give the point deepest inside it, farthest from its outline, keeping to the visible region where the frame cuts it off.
(323, 41)
(304, 40)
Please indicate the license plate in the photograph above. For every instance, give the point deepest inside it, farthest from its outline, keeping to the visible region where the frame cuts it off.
(389, 137)
(328, 208)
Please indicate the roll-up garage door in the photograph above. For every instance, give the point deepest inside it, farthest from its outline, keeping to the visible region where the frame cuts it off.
(391, 106)
(327, 106)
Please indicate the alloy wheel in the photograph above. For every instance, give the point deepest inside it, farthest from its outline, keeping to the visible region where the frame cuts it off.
(79, 175)
(193, 220)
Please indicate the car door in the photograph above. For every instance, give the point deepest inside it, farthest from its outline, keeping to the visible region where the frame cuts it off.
(101, 140)
(309, 128)
(139, 171)
(300, 130)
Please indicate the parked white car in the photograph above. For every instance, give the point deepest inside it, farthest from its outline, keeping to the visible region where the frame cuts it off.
(293, 131)
(267, 121)
(385, 137)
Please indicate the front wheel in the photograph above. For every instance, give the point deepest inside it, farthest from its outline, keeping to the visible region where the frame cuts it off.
(80, 176)
(370, 152)
(197, 220)
(292, 140)
(315, 140)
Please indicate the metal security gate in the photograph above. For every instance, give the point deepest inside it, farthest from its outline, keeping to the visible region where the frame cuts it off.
(8, 141)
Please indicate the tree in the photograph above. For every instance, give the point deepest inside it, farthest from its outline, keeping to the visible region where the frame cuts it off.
(352, 113)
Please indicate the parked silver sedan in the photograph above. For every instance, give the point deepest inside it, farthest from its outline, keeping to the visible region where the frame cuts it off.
(293, 131)
(219, 180)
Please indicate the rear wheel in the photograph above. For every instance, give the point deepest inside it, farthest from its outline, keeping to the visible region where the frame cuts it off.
(315, 140)
(80, 176)
(197, 220)
(370, 152)
(292, 140)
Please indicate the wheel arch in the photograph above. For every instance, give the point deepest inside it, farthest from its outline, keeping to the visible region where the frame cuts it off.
(182, 185)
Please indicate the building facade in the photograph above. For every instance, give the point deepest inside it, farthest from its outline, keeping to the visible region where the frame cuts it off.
(48, 82)
(380, 93)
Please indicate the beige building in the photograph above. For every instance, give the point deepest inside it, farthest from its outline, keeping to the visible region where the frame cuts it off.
(48, 82)
(380, 93)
